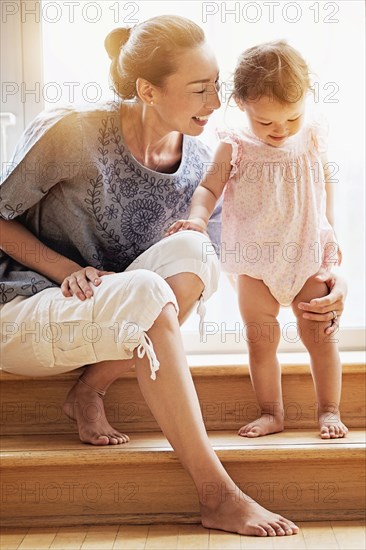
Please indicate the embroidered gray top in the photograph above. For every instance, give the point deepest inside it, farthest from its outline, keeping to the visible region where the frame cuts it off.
(75, 185)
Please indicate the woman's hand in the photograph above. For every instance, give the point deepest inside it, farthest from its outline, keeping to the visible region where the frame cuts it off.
(194, 224)
(78, 282)
(330, 307)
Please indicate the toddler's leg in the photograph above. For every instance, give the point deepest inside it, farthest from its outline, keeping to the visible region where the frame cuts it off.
(326, 367)
(259, 310)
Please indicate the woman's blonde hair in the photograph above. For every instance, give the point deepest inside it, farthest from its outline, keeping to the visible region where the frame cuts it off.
(274, 69)
(149, 50)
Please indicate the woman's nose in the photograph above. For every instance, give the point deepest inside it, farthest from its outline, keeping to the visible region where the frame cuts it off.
(212, 99)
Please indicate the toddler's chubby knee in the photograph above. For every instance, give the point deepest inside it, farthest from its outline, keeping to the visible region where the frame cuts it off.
(261, 335)
(313, 329)
(311, 290)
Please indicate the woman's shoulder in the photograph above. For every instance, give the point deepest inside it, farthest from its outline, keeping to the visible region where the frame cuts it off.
(69, 115)
(61, 126)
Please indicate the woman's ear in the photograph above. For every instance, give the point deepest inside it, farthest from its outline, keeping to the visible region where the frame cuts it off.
(145, 91)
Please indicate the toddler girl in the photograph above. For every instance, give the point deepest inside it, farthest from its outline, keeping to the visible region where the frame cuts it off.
(277, 230)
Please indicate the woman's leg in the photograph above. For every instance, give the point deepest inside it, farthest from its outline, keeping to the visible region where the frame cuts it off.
(259, 310)
(187, 263)
(187, 288)
(86, 406)
(325, 363)
(173, 401)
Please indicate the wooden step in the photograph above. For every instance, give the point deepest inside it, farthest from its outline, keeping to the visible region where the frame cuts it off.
(56, 480)
(34, 405)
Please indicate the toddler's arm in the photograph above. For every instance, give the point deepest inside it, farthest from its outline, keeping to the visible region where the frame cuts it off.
(207, 193)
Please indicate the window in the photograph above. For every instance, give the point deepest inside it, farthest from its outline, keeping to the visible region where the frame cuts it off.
(74, 69)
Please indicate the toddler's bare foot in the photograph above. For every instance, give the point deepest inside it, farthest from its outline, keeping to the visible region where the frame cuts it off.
(86, 407)
(331, 426)
(264, 425)
(238, 513)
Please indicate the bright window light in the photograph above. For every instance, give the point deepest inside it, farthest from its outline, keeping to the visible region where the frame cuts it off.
(330, 35)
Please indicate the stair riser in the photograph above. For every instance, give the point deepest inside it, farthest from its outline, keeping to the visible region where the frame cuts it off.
(149, 493)
(35, 406)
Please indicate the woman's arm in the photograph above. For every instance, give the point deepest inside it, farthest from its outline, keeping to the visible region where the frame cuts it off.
(208, 192)
(20, 244)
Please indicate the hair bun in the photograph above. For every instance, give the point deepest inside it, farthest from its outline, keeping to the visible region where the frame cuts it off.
(115, 40)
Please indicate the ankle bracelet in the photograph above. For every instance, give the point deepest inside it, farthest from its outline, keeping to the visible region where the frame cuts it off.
(101, 393)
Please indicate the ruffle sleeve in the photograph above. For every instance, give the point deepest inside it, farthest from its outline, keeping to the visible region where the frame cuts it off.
(319, 130)
(48, 152)
(232, 138)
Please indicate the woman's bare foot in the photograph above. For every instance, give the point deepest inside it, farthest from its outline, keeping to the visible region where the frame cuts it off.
(86, 407)
(331, 426)
(264, 425)
(238, 513)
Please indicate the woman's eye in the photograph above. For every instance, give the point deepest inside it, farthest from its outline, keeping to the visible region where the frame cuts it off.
(265, 123)
(209, 89)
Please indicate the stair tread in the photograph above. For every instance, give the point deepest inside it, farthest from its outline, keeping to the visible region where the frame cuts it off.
(219, 365)
(64, 449)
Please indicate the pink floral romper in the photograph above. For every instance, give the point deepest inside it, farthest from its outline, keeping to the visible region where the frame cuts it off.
(274, 224)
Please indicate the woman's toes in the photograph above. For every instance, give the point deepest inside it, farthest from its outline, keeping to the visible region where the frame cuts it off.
(100, 440)
(279, 530)
(270, 531)
(260, 531)
(286, 528)
(324, 433)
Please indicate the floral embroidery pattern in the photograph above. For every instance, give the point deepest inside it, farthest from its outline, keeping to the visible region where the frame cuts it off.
(142, 220)
(13, 212)
(120, 208)
(132, 208)
(5, 293)
(33, 285)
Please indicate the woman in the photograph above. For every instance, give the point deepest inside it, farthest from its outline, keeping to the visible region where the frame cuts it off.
(101, 188)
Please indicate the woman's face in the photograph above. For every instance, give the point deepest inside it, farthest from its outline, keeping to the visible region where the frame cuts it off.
(190, 95)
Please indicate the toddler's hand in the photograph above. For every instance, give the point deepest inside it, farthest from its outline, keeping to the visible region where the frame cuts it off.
(195, 224)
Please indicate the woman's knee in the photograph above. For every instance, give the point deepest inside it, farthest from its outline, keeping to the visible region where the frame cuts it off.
(136, 296)
(202, 262)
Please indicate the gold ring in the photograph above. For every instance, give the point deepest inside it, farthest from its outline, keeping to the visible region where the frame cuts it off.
(335, 316)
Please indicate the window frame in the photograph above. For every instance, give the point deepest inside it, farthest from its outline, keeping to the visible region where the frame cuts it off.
(21, 63)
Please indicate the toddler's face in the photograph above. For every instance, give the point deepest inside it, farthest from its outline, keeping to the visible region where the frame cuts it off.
(272, 121)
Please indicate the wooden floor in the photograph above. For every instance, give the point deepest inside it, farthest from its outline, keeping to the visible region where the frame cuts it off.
(326, 535)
